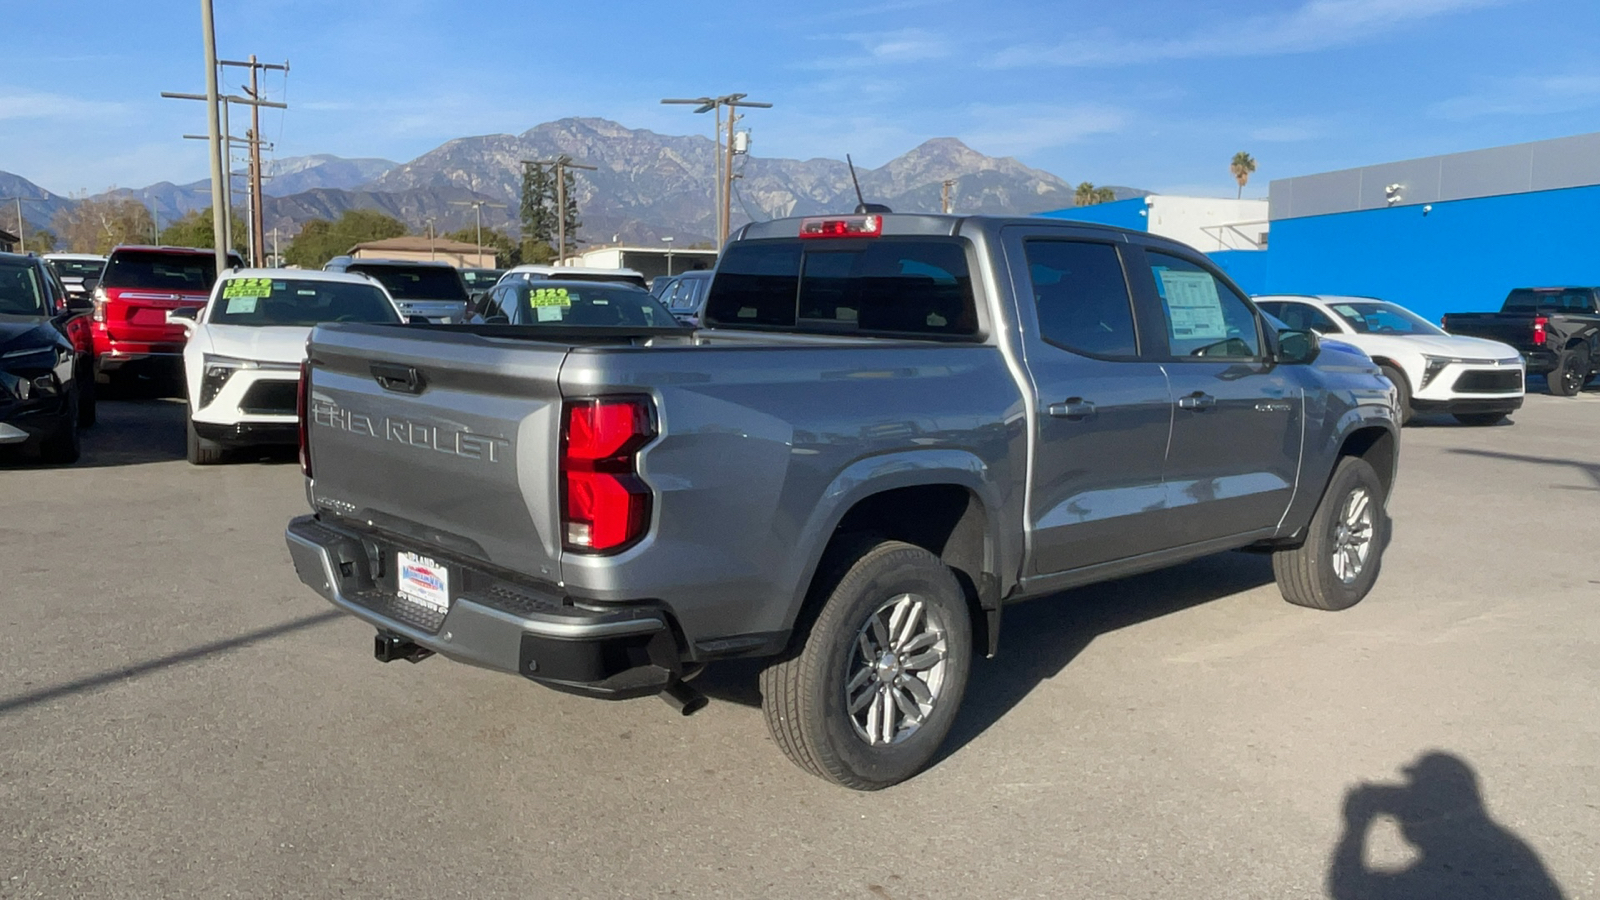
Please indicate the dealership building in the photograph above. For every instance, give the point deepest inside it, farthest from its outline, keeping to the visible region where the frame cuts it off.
(1440, 234)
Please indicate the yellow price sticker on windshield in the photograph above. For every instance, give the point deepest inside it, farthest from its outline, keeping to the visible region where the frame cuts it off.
(549, 297)
(247, 287)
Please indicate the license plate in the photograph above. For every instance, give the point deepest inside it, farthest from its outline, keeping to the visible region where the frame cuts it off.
(423, 581)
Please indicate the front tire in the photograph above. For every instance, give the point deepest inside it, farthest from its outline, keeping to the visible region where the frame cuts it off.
(200, 451)
(65, 446)
(1338, 562)
(1403, 388)
(1480, 419)
(87, 414)
(1568, 378)
(867, 696)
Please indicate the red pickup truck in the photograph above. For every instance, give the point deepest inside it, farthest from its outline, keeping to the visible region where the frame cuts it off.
(139, 286)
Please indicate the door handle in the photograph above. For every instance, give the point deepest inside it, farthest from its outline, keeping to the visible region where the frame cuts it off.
(1197, 400)
(402, 379)
(1075, 408)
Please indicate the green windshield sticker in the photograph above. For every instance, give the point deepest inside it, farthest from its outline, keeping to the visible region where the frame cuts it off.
(241, 306)
(550, 297)
(247, 287)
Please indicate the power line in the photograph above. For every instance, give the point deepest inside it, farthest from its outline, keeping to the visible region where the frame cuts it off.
(725, 152)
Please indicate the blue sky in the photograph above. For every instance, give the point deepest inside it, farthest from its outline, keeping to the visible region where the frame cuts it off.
(1150, 93)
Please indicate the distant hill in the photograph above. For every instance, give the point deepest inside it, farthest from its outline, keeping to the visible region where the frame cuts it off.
(39, 206)
(295, 174)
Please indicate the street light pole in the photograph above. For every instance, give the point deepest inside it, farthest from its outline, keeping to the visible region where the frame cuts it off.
(668, 241)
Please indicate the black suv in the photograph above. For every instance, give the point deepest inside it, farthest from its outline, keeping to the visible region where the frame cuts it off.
(46, 386)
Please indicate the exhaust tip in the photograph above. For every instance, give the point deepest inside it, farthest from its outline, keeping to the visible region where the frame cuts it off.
(683, 698)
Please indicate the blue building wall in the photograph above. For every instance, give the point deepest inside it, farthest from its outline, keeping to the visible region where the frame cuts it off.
(1122, 213)
(1462, 255)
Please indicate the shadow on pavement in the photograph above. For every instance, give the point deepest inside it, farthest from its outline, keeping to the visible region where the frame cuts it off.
(1588, 468)
(110, 677)
(1456, 850)
(1039, 638)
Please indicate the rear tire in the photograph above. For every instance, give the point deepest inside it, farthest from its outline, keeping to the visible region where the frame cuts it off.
(200, 451)
(1569, 377)
(894, 640)
(87, 414)
(1480, 419)
(1403, 388)
(1338, 562)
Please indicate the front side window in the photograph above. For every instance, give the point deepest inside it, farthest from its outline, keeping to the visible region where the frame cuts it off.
(1205, 317)
(266, 302)
(1299, 316)
(1082, 297)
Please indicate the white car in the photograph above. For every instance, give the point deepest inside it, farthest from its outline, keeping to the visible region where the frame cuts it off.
(1476, 380)
(241, 364)
(532, 272)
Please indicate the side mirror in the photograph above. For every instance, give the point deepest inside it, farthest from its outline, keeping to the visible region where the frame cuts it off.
(496, 320)
(1297, 348)
(184, 317)
(80, 303)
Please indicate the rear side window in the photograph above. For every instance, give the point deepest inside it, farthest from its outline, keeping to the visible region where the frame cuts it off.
(1082, 297)
(882, 286)
(155, 270)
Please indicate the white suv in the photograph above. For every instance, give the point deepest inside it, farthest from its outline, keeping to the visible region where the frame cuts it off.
(242, 360)
(1475, 380)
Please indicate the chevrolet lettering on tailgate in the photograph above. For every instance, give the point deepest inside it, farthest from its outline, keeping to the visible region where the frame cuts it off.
(411, 432)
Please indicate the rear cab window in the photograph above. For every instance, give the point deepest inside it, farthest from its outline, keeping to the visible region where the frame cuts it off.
(891, 286)
(1550, 300)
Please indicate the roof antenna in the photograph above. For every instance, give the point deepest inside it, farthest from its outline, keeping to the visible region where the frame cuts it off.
(862, 206)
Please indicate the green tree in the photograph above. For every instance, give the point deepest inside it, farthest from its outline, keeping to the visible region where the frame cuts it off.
(538, 221)
(194, 230)
(506, 252)
(537, 253)
(1242, 166)
(1088, 195)
(320, 240)
(95, 226)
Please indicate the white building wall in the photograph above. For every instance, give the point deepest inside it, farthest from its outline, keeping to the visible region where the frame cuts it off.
(1207, 223)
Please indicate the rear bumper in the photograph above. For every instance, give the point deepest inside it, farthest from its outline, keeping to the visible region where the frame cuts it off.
(1540, 361)
(510, 627)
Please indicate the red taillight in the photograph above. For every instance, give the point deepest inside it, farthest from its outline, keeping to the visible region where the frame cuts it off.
(1539, 323)
(842, 226)
(606, 504)
(302, 407)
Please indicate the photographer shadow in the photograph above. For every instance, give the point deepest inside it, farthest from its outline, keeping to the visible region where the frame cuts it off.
(1458, 851)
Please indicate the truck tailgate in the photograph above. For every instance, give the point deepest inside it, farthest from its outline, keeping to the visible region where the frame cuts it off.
(1514, 328)
(449, 439)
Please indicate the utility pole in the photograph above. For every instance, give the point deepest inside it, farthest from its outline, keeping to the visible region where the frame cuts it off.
(477, 207)
(944, 197)
(253, 91)
(560, 165)
(724, 157)
(219, 206)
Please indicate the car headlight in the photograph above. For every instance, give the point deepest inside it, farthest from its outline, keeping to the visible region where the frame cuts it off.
(1435, 365)
(216, 371)
(32, 356)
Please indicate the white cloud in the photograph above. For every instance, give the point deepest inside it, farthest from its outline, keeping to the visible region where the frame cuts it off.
(1013, 130)
(1315, 25)
(1523, 96)
(1288, 132)
(37, 105)
(885, 48)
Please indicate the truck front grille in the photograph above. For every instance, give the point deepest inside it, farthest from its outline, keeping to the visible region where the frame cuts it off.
(1487, 382)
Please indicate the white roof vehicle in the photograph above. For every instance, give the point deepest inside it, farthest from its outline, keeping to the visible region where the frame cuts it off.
(242, 359)
(1476, 380)
(572, 273)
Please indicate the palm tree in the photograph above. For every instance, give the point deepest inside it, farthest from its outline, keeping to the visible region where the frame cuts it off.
(1084, 195)
(1104, 195)
(1241, 167)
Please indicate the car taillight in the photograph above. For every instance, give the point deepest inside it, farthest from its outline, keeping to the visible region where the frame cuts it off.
(605, 505)
(302, 409)
(841, 226)
(99, 304)
(1539, 323)
(1444, 323)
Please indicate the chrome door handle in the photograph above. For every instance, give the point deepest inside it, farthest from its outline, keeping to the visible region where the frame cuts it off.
(1197, 400)
(1074, 408)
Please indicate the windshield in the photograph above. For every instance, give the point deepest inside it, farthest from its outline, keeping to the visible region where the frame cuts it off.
(261, 302)
(77, 268)
(599, 305)
(1526, 300)
(1377, 317)
(159, 271)
(20, 291)
(416, 282)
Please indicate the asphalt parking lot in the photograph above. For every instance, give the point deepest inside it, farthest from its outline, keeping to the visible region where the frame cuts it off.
(179, 717)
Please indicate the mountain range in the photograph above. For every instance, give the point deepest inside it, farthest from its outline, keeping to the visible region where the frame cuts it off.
(646, 186)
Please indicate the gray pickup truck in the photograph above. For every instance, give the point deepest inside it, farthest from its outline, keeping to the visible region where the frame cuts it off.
(888, 428)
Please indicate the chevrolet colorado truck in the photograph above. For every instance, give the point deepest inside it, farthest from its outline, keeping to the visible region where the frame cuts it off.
(1556, 329)
(889, 428)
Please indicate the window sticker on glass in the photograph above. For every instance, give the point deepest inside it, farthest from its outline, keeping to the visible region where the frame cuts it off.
(1193, 304)
(247, 287)
(241, 306)
(548, 313)
(549, 297)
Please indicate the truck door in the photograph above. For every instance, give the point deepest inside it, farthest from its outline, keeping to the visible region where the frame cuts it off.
(1101, 413)
(1236, 428)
